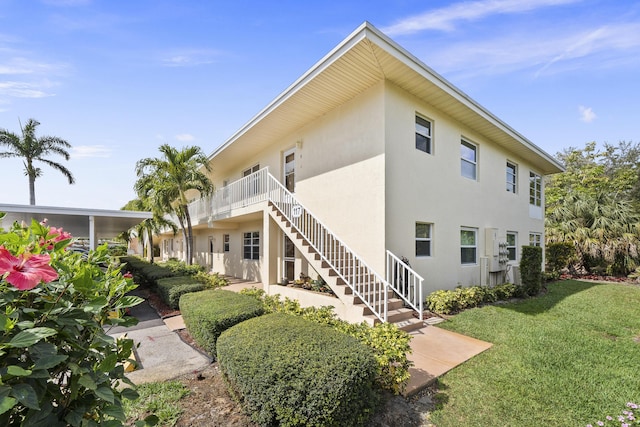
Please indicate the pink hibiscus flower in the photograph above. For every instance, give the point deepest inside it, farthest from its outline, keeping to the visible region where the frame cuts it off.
(26, 271)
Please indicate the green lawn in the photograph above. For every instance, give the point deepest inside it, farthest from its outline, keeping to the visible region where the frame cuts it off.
(568, 358)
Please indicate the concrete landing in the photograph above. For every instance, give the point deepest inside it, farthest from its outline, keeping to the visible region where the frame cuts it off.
(435, 352)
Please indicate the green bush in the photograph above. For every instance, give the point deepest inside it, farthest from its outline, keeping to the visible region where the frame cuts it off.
(181, 268)
(171, 289)
(531, 269)
(212, 281)
(458, 299)
(145, 273)
(389, 343)
(558, 256)
(208, 313)
(289, 371)
(58, 366)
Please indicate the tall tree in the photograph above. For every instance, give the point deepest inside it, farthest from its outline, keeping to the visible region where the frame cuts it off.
(591, 205)
(33, 149)
(167, 181)
(150, 226)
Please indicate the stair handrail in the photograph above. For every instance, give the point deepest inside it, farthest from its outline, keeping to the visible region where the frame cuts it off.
(405, 282)
(293, 210)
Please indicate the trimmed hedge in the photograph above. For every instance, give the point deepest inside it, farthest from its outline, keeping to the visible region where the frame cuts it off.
(290, 371)
(171, 289)
(145, 273)
(458, 299)
(531, 269)
(208, 313)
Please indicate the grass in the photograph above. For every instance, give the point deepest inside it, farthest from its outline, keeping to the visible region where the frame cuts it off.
(161, 399)
(568, 358)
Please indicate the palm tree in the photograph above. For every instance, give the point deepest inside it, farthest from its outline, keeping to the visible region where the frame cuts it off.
(600, 226)
(150, 226)
(32, 149)
(166, 181)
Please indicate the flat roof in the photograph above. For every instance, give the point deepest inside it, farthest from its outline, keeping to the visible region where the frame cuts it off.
(107, 224)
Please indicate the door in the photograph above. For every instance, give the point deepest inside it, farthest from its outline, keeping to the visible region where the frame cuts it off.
(290, 169)
(289, 257)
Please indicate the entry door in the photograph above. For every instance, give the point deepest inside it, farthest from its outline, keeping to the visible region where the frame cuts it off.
(290, 169)
(289, 257)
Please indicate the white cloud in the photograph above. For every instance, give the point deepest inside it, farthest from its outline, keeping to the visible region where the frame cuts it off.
(444, 19)
(85, 151)
(190, 57)
(586, 114)
(185, 137)
(23, 90)
(549, 52)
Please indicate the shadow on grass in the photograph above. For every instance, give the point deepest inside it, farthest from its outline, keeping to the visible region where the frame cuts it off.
(555, 293)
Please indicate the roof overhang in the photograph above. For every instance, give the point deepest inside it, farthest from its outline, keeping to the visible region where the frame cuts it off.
(81, 223)
(366, 57)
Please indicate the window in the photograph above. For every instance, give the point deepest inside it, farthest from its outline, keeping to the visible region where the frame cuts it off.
(251, 170)
(469, 159)
(535, 189)
(251, 245)
(468, 245)
(225, 242)
(423, 239)
(423, 135)
(512, 245)
(535, 239)
(511, 177)
(250, 185)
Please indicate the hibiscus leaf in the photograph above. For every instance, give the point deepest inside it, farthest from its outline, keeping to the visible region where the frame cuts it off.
(87, 382)
(25, 395)
(7, 403)
(129, 301)
(17, 371)
(31, 336)
(49, 361)
(95, 305)
(105, 393)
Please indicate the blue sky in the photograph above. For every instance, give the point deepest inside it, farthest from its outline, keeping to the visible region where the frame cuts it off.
(119, 78)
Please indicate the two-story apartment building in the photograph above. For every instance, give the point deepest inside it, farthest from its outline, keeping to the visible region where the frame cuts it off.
(368, 157)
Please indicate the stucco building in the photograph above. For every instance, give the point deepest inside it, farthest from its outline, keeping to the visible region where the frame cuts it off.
(368, 157)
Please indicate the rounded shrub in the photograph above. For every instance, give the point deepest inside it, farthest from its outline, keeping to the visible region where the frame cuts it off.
(171, 289)
(290, 371)
(208, 313)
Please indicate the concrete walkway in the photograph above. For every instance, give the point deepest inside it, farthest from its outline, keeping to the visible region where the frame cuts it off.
(163, 355)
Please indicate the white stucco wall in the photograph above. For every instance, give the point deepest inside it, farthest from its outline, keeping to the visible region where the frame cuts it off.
(429, 188)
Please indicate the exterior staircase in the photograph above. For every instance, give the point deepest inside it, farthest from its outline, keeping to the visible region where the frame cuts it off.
(335, 277)
(396, 298)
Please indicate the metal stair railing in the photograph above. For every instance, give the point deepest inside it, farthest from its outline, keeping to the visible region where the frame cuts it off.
(370, 287)
(405, 282)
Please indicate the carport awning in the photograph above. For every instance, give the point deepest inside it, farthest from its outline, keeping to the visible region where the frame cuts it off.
(92, 224)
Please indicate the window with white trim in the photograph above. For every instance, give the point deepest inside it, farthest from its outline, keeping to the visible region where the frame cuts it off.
(468, 160)
(468, 245)
(251, 245)
(511, 177)
(226, 240)
(512, 245)
(423, 239)
(535, 189)
(535, 239)
(423, 134)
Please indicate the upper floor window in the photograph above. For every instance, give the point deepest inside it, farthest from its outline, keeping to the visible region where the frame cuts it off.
(251, 170)
(535, 239)
(535, 189)
(468, 245)
(251, 245)
(512, 245)
(423, 135)
(511, 177)
(423, 239)
(468, 159)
